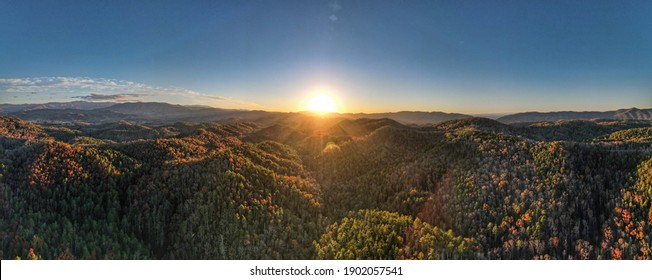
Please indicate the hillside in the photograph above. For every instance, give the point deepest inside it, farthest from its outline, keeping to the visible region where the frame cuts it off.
(296, 186)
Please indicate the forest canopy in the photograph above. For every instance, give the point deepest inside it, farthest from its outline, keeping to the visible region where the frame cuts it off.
(306, 187)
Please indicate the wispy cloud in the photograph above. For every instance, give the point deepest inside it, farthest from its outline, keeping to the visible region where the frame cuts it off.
(102, 89)
(111, 97)
(86, 85)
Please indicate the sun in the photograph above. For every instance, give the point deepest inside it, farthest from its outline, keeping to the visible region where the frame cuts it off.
(322, 103)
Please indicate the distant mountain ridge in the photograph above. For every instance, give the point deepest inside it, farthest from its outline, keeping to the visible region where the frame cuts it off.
(411, 117)
(622, 114)
(78, 105)
(164, 112)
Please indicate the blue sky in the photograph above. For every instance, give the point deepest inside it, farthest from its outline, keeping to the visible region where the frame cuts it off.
(454, 56)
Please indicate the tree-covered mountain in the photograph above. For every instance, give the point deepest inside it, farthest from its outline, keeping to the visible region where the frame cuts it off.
(299, 186)
(622, 114)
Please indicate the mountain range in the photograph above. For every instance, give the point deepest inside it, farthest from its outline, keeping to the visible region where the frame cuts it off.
(622, 114)
(82, 111)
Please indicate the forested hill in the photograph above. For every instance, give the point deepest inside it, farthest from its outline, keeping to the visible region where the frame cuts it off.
(622, 114)
(297, 186)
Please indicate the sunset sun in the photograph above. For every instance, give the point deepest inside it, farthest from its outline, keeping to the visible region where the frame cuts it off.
(322, 103)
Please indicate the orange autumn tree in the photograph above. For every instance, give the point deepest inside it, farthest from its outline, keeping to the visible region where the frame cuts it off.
(627, 236)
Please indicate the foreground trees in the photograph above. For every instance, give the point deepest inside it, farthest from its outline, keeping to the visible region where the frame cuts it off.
(382, 235)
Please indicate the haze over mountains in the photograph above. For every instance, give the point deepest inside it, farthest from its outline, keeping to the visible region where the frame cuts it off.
(82, 111)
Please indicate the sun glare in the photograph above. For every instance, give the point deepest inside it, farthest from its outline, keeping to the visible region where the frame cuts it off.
(322, 103)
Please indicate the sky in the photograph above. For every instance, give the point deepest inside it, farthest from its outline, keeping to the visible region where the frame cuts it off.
(370, 56)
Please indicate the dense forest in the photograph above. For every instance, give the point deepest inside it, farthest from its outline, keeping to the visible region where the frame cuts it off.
(309, 187)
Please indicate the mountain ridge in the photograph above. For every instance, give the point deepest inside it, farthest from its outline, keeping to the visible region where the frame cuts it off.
(166, 112)
(620, 114)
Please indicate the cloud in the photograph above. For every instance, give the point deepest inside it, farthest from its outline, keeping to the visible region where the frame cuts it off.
(216, 97)
(334, 6)
(110, 97)
(17, 82)
(102, 89)
(85, 85)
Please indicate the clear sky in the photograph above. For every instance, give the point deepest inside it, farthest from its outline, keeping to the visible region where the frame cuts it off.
(454, 56)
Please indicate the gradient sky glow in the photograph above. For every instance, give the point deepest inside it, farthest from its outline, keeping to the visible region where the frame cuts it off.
(454, 56)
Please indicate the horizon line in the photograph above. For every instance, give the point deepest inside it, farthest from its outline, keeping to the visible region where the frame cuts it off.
(339, 113)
